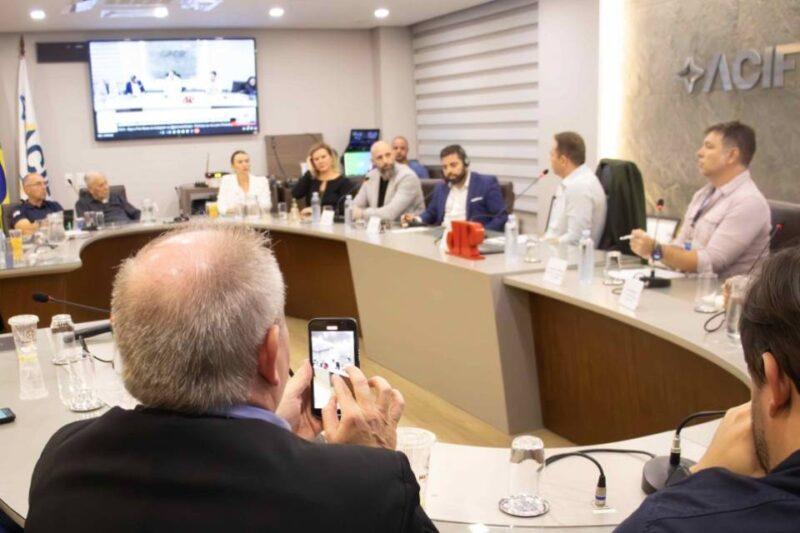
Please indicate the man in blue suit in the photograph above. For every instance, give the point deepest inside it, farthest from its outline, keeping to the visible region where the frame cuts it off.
(464, 195)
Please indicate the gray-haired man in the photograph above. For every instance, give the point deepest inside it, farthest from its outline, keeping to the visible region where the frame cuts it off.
(223, 438)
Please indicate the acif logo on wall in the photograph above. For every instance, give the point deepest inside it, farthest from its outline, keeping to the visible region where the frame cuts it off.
(768, 67)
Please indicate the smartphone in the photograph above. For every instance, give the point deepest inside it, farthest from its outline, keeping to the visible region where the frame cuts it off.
(332, 347)
(7, 415)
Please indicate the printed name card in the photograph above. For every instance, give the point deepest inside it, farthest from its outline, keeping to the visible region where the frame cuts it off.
(555, 270)
(327, 218)
(631, 293)
(374, 226)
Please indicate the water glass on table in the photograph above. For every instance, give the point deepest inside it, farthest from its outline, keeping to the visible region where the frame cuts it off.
(416, 444)
(283, 211)
(15, 244)
(526, 470)
(59, 326)
(31, 380)
(612, 269)
(76, 378)
(705, 298)
(737, 287)
(212, 209)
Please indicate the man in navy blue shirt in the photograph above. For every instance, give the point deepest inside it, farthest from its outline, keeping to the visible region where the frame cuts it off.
(26, 217)
(400, 149)
(749, 478)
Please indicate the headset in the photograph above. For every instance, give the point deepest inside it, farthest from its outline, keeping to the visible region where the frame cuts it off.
(459, 151)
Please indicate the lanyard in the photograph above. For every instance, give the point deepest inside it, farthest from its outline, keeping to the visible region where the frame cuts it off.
(703, 207)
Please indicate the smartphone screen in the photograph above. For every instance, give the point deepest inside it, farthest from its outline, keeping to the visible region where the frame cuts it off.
(333, 346)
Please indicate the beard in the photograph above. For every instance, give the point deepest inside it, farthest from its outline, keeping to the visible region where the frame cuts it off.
(388, 172)
(459, 178)
(759, 438)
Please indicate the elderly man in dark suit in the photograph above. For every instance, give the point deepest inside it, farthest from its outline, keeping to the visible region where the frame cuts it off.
(114, 207)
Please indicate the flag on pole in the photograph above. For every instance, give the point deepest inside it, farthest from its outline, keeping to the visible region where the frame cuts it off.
(31, 155)
(5, 195)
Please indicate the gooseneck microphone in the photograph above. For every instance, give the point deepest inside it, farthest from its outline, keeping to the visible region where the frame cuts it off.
(663, 471)
(46, 298)
(651, 281)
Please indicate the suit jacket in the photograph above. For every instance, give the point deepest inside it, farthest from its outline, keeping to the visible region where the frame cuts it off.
(154, 470)
(485, 203)
(117, 209)
(403, 194)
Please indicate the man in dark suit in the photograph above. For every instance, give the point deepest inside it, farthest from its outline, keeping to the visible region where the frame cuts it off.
(115, 208)
(464, 195)
(223, 440)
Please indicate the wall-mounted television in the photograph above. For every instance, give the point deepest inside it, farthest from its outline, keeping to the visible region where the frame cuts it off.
(150, 88)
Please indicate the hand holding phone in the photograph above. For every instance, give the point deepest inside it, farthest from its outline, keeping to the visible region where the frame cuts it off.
(369, 413)
(333, 347)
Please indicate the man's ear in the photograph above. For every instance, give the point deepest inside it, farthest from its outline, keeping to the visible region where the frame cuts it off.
(778, 384)
(268, 356)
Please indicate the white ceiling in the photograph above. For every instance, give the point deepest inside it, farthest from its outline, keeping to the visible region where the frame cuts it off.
(341, 14)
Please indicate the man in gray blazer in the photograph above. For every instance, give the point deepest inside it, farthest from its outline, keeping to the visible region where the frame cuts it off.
(390, 189)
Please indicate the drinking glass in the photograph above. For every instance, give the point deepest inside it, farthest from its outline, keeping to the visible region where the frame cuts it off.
(15, 243)
(60, 325)
(76, 386)
(251, 208)
(149, 210)
(417, 444)
(99, 219)
(705, 298)
(526, 470)
(88, 221)
(613, 268)
(212, 210)
(283, 212)
(56, 233)
(327, 209)
(31, 381)
(238, 211)
(733, 313)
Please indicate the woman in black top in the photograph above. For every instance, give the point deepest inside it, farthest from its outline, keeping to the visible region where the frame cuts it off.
(325, 177)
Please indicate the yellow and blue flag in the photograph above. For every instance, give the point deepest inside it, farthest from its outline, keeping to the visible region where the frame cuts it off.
(5, 194)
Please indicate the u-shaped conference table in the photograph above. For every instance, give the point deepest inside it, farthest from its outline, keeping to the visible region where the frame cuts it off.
(493, 337)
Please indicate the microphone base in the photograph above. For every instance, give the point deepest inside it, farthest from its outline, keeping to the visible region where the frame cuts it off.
(658, 473)
(652, 282)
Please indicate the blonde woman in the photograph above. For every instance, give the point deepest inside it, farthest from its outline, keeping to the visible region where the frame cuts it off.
(324, 176)
(234, 188)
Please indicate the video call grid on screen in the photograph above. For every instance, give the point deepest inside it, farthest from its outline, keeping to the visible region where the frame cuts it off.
(151, 88)
(331, 353)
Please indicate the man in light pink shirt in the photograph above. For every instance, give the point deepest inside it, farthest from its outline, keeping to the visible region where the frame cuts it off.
(726, 228)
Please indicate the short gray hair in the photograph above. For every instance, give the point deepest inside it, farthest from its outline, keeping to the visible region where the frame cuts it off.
(89, 177)
(191, 344)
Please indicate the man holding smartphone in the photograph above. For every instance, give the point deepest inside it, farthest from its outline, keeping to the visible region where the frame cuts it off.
(223, 439)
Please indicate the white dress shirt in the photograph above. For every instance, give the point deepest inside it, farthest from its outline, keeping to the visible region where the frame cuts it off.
(580, 204)
(231, 194)
(455, 207)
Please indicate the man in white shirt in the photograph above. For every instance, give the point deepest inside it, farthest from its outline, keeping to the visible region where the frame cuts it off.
(580, 201)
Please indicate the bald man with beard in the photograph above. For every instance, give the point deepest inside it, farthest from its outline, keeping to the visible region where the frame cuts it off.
(390, 189)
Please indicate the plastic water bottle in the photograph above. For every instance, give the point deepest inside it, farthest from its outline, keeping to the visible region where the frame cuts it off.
(586, 260)
(512, 236)
(315, 208)
(348, 210)
(3, 250)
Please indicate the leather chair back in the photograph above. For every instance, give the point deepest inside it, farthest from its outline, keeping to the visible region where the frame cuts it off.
(788, 214)
(118, 189)
(6, 210)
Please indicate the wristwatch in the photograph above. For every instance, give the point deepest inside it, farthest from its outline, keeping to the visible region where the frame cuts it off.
(657, 252)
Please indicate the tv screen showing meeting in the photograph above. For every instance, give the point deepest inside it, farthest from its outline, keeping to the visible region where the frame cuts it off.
(173, 88)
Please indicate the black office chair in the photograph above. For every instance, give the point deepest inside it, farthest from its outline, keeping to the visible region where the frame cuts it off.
(622, 183)
(6, 211)
(787, 214)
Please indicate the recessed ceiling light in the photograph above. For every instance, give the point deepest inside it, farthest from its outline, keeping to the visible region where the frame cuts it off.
(161, 12)
(381, 13)
(276, 12)
(38, 14)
